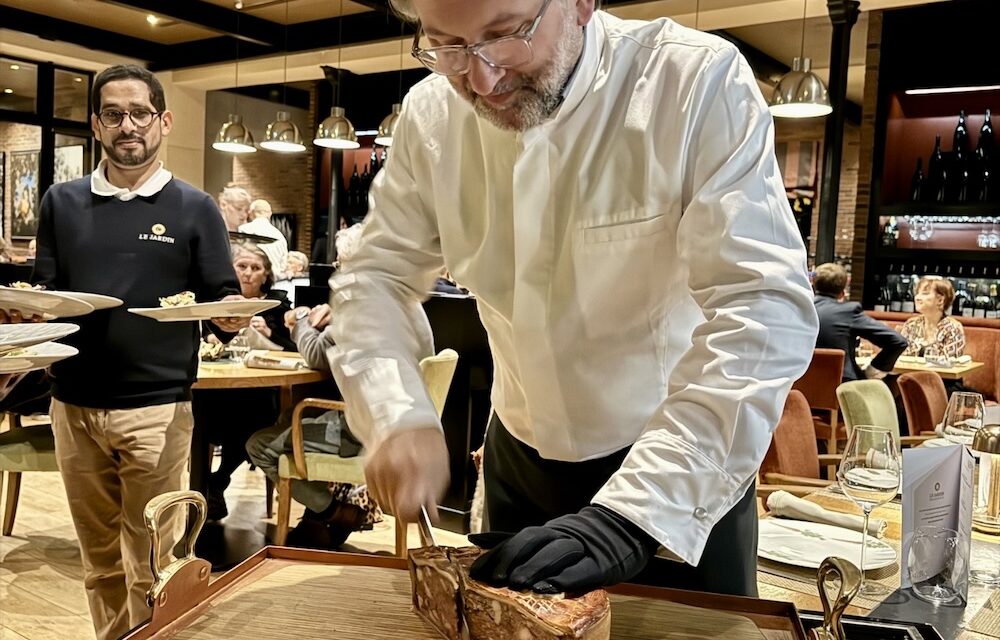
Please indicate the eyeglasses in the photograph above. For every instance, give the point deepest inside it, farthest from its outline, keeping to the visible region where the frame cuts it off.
(140, 117)
(500, 53)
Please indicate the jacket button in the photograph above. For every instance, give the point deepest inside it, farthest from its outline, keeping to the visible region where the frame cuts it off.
(701, 513)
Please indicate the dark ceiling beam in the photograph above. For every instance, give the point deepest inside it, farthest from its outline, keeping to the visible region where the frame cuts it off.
(49, 28)
(370, 26)
(236, 24)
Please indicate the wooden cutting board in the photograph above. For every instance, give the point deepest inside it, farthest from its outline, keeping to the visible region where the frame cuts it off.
(289, 599)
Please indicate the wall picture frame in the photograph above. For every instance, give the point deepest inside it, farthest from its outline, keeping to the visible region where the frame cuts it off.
(24, 196)
(68, 163)
(3, 186)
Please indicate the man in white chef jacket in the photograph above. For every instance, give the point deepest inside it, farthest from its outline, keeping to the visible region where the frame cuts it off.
(608, 191)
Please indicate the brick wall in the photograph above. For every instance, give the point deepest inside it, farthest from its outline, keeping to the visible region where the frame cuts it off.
(866, 154)
(285, 180)
(15, 137)
(791, 130)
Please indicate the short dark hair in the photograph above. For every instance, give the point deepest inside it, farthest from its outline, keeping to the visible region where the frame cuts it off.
(129, 72)
(830, 279)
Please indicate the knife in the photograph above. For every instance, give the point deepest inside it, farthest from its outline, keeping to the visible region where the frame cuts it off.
(426, 533)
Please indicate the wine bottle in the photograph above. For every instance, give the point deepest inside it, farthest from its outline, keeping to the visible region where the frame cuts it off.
(906, 305)
(982, 306)
(354, 189)
(373, 161)
(959, 175)
(961, 298)
(890, 232)
(986, 140)
(960, 141)
(881, 301)
(895, 296)
(917, 182)
(937, 173)
(992, 311)
(968, 309)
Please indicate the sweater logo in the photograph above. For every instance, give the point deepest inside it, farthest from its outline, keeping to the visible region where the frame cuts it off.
(157, 235)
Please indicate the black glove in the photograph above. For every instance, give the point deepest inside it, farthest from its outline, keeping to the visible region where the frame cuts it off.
(578, 552)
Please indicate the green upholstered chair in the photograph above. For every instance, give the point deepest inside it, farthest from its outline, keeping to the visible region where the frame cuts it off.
(437, 372)
(23, 449)
(870, 402)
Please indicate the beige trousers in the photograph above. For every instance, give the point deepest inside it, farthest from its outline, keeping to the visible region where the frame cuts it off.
(112, 463)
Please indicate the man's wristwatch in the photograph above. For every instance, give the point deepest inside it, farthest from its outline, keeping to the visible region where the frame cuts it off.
(301, 314)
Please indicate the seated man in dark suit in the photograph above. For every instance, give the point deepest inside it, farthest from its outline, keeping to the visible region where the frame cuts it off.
(841, 323)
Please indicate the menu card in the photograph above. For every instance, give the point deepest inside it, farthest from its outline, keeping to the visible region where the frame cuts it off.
(937, 492)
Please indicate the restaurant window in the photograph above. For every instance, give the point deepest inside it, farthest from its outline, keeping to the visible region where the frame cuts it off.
(18, 85)
(71, 95)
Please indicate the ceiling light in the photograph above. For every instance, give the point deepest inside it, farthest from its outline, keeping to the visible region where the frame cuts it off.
(283, 135)
(800, 93)
(234, 136)
(15, 67)
(238, 4)
(925, 92)
(388, 127)
(78, 79)
(336, 131)
(152, 20)
(8, 90)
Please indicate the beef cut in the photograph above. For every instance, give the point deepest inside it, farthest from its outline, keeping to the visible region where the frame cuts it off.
(461, 608)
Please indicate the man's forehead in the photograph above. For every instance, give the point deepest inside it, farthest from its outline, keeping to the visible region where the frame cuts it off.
(447, 18)
(132, 93)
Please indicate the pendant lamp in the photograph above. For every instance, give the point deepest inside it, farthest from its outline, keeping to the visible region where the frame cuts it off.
(800, 93)
(388, 126)
(336, 131)
(234, 136)
(282, 134)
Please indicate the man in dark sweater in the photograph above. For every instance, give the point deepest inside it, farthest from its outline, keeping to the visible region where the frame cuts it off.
(842, 323)
(121, 409)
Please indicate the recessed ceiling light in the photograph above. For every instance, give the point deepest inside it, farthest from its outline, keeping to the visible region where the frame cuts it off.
(78, 79)
(152, 20)
(8, 90)
(15, 67)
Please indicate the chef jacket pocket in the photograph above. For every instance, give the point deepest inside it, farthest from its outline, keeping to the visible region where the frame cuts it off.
(625, 230)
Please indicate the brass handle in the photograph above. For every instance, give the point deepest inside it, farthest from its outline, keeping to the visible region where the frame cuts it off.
(153, 513)
(843, 579)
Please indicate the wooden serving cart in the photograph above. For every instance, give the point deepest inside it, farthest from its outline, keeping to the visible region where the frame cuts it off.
(294, 593)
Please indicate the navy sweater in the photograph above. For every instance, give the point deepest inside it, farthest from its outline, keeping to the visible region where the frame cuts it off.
(138, 251)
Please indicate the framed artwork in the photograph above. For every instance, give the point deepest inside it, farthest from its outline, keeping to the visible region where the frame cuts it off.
(23, 194)
(69, 163)
(799, 164)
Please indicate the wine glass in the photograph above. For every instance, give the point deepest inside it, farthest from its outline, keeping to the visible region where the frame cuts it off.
(239, 346)
(963, 417)
(869, 475)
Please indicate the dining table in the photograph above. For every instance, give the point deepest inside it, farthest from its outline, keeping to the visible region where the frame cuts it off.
(954, 372)
(978, 619)
(226, 546)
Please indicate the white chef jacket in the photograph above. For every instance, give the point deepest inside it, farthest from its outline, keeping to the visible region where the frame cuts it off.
(635, 264)
(277, 251)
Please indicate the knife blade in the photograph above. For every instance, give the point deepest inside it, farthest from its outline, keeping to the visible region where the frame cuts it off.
(426, 532)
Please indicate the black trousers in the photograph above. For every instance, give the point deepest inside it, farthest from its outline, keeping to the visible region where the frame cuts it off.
(523, 489)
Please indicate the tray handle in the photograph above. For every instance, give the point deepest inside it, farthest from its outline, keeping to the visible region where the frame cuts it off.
(189, 574)
(843, 579)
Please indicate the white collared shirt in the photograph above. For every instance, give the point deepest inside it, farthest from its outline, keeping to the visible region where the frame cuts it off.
(100, 186)
(634, 260)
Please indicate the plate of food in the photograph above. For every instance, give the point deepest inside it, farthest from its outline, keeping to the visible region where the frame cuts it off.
(17, 336)
(38, 356)
(181, 307)
(96, 300)
(49, 304)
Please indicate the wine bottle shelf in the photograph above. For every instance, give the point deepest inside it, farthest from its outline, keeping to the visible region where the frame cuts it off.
(971, 209)
(886, 254)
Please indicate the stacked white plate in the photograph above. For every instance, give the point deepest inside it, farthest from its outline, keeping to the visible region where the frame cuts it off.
(29, 346)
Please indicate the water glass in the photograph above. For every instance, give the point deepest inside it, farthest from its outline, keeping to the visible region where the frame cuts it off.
(963, 417)
(869, 475)
(933, 563)
(239, 347)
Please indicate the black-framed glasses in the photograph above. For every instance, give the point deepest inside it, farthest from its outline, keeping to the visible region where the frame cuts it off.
(501, 53)
(141, 118)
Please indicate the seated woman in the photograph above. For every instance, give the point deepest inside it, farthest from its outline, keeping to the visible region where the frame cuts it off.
(233, 415)
(932, 330)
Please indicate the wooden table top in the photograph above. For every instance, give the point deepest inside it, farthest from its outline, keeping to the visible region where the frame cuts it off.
(948, 373)
(231, 375)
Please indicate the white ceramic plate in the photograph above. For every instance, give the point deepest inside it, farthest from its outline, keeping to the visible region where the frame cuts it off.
(206, 310)
(16, 336)
(35, 357)
(807, 544)
(36, 301)
(96, 300)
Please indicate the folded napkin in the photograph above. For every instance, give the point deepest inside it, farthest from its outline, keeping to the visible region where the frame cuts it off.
(784, 504)
(257, 340)
(261, 360)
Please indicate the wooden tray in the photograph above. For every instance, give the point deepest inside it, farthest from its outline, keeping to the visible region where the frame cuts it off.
(288, 593)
